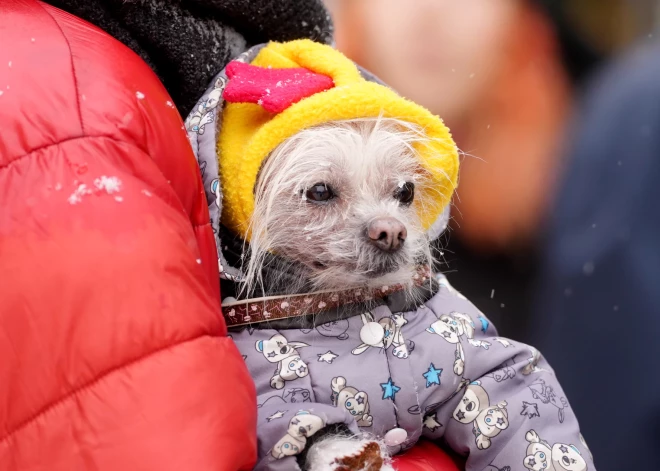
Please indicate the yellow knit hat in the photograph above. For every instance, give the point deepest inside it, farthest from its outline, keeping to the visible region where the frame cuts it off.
(249, 133)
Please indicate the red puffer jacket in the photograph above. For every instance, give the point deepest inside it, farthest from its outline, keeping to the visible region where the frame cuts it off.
(113, 354)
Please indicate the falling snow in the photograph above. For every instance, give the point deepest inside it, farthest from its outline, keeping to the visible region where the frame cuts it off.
(568, 292)
(32, 39)
(139, 95)
(109, 184)
(1, 92)
(199, 261)
(492, 293)
(588, 268)
(9, 63)
(146, 193)
(84, 98)
(169, 103)
(119, 199)
(616, 308)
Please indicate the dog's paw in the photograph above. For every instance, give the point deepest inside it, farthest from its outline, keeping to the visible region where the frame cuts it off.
(344, 454)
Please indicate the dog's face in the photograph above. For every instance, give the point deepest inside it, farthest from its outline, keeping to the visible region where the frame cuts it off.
(566, 457)
(342, 202)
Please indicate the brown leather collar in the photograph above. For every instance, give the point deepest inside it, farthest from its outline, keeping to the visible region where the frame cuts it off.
(252, 311)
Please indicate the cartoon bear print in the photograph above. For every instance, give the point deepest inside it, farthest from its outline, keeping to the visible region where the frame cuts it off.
(203, 115)
(452, 327)
(487, 421)
(354, 401)
(279, 350)
(392, 336)
(302, 426)
(337, 329)
(559, 457)
(540, 390)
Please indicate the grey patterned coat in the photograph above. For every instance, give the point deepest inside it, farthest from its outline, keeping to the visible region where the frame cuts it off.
(439, 371)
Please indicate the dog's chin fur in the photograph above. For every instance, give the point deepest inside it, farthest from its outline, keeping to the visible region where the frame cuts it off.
(325, 245)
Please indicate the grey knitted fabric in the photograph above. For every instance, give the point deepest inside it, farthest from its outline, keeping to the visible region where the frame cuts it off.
(187, 42)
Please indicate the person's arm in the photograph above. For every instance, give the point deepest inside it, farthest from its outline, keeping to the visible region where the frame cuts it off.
(113, 351)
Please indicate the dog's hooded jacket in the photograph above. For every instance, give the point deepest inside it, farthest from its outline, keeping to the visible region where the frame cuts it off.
(400, 372)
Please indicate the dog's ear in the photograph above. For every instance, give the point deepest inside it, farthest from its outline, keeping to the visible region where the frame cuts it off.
(260, 346)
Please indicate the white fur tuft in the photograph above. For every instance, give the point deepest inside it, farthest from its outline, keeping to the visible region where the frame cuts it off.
(322, 455)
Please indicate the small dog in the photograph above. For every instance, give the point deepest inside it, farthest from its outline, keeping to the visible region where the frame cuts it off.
(325, 209)
(337, 204)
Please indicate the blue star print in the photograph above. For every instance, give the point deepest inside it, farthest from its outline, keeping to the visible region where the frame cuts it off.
(484, 324)
(389, 389)
(432, 375)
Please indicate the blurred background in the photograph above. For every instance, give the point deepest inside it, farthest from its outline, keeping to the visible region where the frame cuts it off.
(504, 75)
(555, 233)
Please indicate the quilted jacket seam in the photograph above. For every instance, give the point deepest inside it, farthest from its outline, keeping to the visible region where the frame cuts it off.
(73, 67)
(93, 382)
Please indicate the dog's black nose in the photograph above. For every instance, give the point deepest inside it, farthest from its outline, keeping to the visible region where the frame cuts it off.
(387, 233)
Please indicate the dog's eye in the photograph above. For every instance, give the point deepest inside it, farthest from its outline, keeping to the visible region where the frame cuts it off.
(319, 193)
(405, 194)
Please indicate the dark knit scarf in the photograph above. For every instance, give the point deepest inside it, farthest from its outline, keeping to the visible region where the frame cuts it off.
(187, 42)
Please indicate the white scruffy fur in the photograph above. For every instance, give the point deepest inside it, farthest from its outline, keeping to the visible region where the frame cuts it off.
(323, 454)
(325, 246)
(365, 161)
